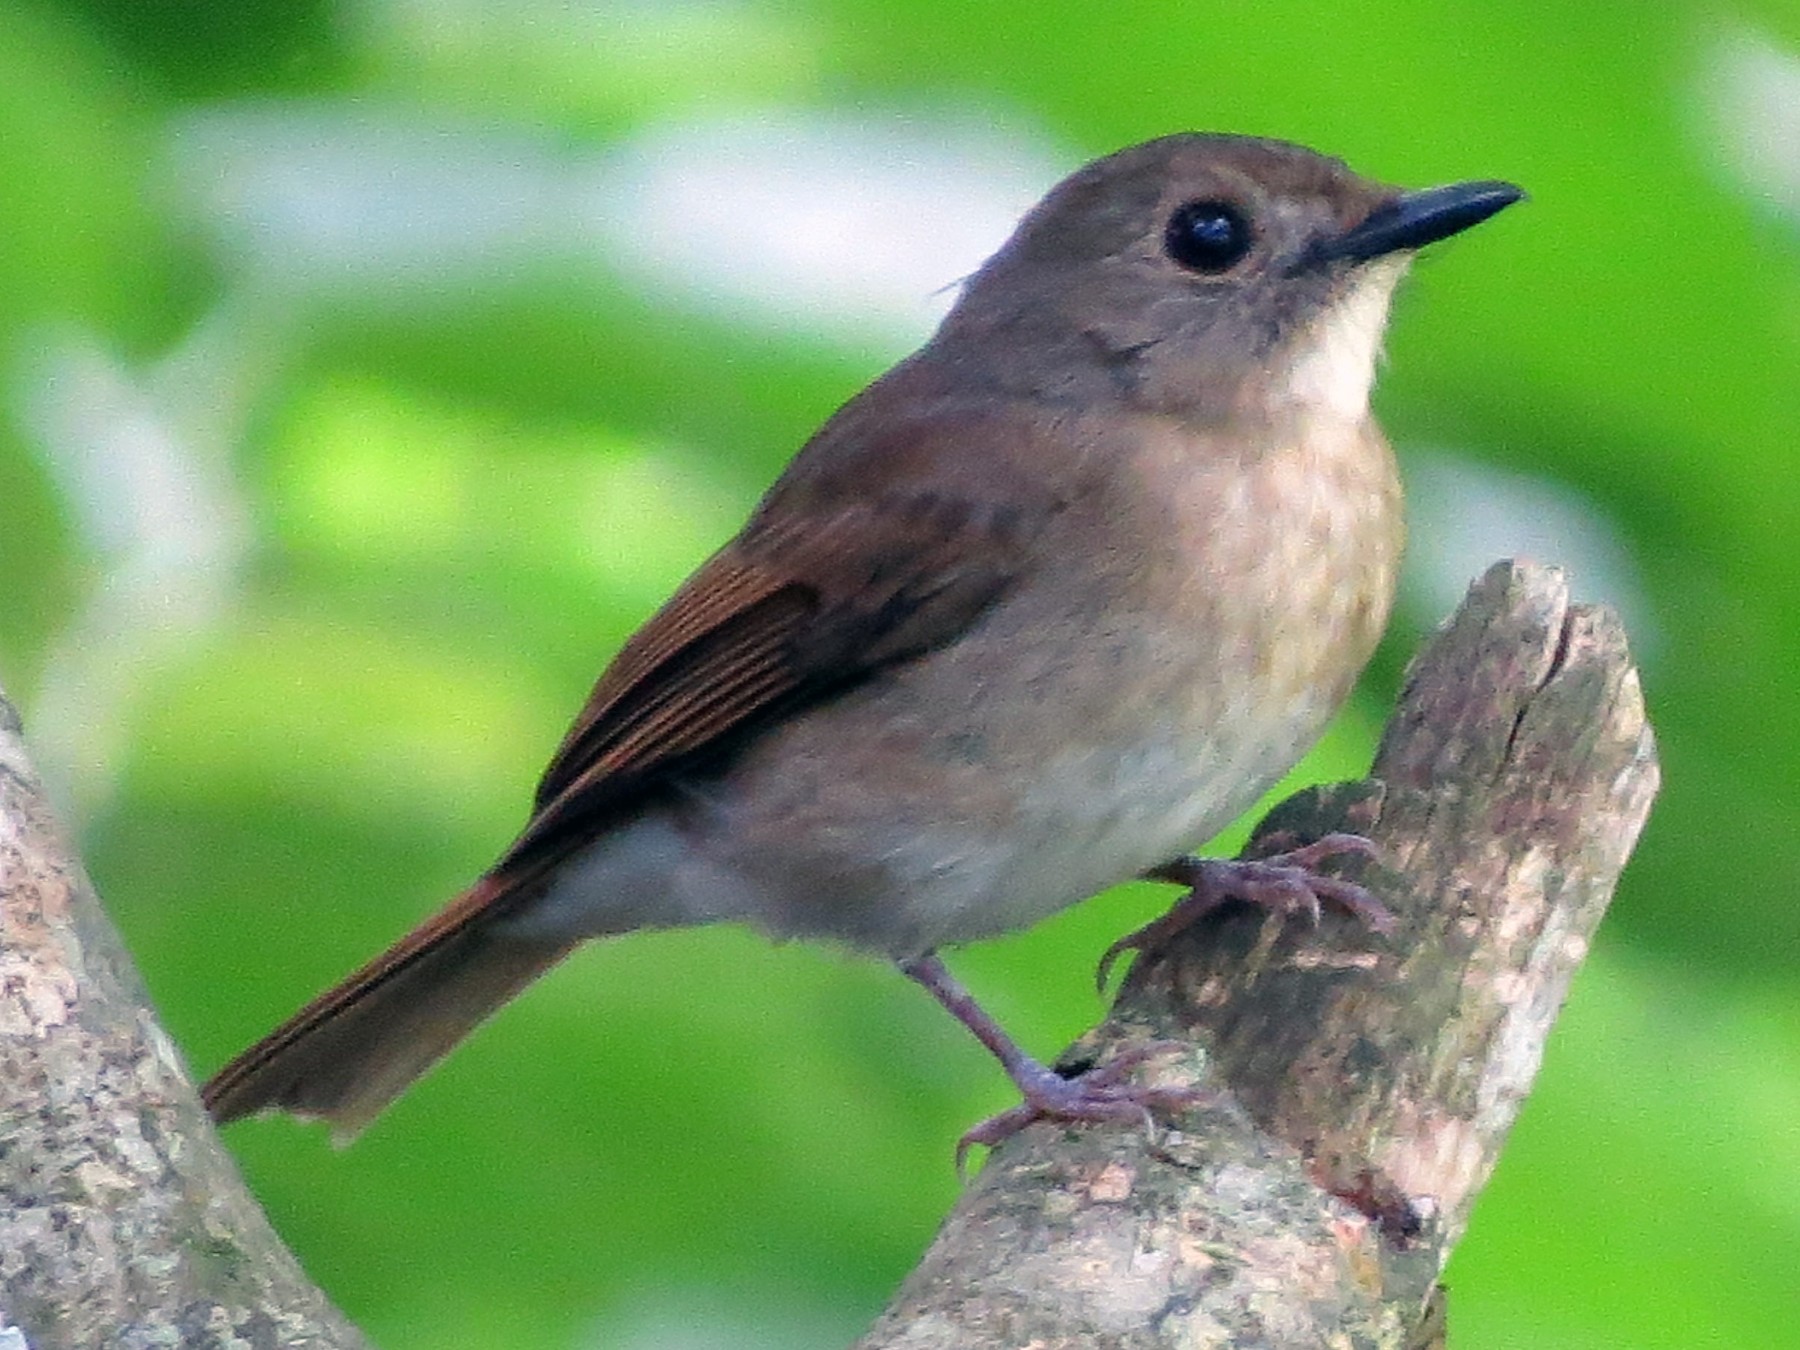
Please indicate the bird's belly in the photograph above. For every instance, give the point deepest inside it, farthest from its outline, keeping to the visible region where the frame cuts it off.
(965, 828)
(1093, 817)
(1074, 837)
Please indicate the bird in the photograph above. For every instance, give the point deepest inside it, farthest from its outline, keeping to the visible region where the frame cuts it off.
(1046, 605)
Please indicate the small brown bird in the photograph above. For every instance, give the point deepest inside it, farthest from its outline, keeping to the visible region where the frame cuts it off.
(1051, 601)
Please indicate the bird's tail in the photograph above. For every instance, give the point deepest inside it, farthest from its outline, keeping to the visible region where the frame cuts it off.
(351, 1051)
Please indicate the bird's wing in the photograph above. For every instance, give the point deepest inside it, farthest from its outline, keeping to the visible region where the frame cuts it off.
(801, 605)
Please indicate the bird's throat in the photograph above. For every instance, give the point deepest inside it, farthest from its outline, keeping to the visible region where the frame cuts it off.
(1328, 371)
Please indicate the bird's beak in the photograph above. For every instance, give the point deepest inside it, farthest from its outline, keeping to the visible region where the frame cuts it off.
(1416, 219)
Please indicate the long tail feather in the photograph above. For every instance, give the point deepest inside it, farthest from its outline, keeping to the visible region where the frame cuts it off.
(351, 1051)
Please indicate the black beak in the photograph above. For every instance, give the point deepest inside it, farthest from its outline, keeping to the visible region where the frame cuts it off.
(1420, 218)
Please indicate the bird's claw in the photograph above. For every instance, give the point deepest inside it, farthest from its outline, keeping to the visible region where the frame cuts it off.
(1096, 1094)
(1284, 883)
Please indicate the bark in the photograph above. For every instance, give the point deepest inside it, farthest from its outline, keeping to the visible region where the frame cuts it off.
(1358, 1087)
(122, 1221)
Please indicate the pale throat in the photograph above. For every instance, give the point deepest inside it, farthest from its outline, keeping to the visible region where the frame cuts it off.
(1331, 366)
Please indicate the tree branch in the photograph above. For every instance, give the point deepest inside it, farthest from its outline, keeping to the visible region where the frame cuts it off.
(1360, 1087)
(122, 1221)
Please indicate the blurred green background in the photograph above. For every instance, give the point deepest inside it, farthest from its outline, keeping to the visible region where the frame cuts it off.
(373, 367)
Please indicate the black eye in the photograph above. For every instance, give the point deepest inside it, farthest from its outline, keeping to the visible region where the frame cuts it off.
(1207, 236)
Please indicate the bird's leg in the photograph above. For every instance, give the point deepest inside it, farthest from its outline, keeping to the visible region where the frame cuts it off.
(1096, 1094)
(1286, 883)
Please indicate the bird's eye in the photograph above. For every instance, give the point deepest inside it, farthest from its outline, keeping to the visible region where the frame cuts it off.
(1207, 236)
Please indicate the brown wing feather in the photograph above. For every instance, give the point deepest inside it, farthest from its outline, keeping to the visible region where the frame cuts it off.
(680, 665)
(726, 596)
(787, 611)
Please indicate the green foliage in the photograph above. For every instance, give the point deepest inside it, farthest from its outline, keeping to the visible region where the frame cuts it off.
(461, 496)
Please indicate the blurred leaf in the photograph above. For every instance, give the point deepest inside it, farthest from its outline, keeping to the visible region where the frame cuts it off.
(210, 47)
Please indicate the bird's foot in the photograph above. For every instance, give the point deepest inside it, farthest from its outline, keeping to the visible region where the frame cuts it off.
(1096, 1094)
(1284, 883)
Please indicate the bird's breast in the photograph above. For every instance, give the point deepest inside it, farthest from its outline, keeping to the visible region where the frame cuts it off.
(1197, 656)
